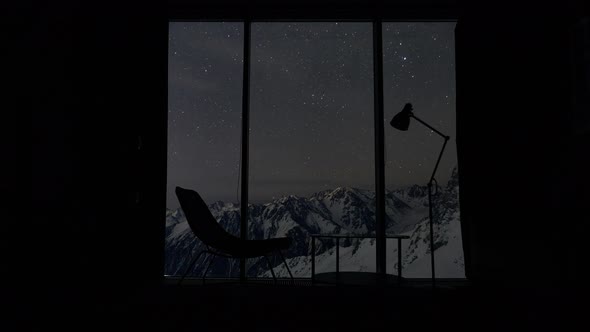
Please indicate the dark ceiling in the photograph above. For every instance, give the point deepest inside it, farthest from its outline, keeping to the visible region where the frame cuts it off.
(398, 9)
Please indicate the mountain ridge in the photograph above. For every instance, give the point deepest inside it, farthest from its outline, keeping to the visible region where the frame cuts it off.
(339, 210)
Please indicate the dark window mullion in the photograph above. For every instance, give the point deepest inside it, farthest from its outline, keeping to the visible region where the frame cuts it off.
(245, 143)
(379, 147)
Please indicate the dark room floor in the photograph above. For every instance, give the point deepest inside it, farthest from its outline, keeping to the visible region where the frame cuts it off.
(263, 306)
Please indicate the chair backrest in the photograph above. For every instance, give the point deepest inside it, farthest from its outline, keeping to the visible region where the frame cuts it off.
(201, 221)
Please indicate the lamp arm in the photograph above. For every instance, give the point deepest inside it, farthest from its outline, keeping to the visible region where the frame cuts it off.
(443, 147)
(438, 160)
(429, 126)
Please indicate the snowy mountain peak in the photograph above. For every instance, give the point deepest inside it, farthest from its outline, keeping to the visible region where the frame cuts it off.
(287, 199)
(416, 191)
(177, 214)
(217, 205)
(222, 206)
(341, 193)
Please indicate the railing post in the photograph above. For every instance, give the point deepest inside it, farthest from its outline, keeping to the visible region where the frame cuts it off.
(337, 257)
(399, 260)
(312, 259)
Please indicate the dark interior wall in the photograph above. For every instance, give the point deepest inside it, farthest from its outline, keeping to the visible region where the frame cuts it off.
(99, 201)
(522, 163)
(99, 147)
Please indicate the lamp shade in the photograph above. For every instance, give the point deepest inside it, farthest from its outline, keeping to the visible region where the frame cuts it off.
(401, 120)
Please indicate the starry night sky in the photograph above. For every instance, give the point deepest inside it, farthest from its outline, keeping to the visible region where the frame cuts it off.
(311, 110)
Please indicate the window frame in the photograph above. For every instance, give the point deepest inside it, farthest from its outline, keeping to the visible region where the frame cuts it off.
(304, 16)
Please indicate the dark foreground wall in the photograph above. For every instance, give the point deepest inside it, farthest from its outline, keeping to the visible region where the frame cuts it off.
(99, 189)
(523, 126)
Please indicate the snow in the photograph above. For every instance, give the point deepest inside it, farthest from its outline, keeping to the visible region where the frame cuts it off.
(178, 231)
(342, 210)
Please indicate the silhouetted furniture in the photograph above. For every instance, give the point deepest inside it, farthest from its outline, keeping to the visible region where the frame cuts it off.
(355, 275)
(219, 242)
(401, 121)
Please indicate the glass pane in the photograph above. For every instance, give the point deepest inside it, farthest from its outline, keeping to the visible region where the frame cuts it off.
(204, 121)
(312, 142)
(419, 68)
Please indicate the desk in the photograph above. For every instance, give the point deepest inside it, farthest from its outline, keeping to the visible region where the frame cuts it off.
(354, 236)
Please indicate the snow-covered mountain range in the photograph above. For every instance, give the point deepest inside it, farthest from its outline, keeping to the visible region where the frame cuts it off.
(341, 210)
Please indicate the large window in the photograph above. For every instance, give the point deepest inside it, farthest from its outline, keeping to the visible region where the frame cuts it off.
(204, 121)
(312, 141)
(418, 67)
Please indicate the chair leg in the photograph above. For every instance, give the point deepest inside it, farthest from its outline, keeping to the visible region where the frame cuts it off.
(287, 266)
(213, 256)
(190, 267)
(274, 277)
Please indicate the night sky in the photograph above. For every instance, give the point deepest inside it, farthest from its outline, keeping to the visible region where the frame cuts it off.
(311, 110)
